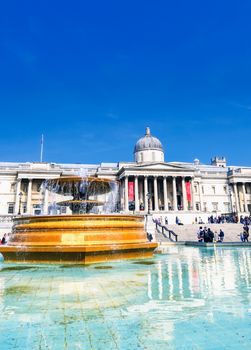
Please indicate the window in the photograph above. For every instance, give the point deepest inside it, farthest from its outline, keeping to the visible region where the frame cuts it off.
(213, 189)
(12, 187)
(215, 206)
(225, 189)
(37, 209)
(202, 189)
(205, 206)
(195, 189)
(197, 206)
(226, 207)
(11, 207)
(63, 210)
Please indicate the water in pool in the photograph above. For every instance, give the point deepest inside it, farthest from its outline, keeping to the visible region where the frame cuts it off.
(191, 298)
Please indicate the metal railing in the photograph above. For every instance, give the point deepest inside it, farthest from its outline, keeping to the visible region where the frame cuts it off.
(168, 234)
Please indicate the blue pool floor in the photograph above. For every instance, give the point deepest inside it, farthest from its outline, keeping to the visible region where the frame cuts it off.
(191, 298)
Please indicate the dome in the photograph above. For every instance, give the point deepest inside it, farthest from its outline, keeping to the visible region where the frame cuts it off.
(148, 142)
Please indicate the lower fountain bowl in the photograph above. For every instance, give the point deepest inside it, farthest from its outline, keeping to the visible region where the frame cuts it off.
(82, 239)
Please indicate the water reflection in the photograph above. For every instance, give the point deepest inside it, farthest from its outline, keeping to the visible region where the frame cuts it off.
(198, 273)
(178, 300)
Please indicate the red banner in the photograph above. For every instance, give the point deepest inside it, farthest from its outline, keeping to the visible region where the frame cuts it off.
(188, 191)
(131, 191)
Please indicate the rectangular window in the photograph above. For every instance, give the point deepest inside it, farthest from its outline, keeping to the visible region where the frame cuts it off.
(213, 189)
(215, 206)
(225, 189)
(227, 207)
(11, 207)
(197, 206)
(202, 189)
(63, 210)
(195, 189)
(37, 209)
(205, 206)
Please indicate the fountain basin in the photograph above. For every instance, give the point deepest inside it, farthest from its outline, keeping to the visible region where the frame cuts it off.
(83, 239)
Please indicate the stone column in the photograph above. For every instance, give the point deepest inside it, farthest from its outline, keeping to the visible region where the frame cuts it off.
(165, 194)
(244, 198)
(141, 192)
(156, 199)
(237, 206)
(126, 194)
(136, 192)
(192, 193)
(200, 196)
(184, 194)
(18, 189)
(174, 194)
(29, 193)
(145, 193)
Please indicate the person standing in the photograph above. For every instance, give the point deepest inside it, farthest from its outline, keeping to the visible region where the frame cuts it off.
(221, 235)
(4, 239)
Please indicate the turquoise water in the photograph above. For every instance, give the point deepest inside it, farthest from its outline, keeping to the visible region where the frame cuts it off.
(192, 298)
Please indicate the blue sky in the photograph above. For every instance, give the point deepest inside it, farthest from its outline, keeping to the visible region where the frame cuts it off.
(91, 75)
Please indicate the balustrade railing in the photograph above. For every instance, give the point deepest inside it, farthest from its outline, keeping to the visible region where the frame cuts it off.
(168, 234)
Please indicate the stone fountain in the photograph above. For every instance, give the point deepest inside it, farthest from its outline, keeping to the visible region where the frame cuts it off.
(80, 237)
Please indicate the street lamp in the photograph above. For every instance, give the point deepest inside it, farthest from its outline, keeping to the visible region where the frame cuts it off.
(20, 202)
(148, 201)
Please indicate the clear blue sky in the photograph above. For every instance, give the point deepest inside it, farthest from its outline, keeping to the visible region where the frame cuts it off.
(91, 75)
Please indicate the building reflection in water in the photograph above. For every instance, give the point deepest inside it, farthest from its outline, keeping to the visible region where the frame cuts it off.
(200, 273)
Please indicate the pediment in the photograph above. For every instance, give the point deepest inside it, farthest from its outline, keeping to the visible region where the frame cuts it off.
(161, 166)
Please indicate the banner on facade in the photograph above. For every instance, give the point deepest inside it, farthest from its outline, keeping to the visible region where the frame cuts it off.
(188, 191)
(131, 191)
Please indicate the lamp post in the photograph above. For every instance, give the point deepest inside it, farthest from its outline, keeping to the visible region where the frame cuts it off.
(148, 201)
(20, 202)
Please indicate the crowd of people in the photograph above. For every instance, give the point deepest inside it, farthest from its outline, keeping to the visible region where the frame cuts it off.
(233, 219)
(208, 236)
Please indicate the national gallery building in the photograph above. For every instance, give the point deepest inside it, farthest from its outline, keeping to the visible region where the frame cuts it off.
(148, 185)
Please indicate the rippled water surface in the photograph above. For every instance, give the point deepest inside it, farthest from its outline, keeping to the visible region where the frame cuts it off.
(192, 298)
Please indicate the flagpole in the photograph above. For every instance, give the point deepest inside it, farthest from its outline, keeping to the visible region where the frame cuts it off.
(42, 148)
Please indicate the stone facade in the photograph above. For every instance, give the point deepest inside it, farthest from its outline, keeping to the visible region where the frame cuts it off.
(187, 190)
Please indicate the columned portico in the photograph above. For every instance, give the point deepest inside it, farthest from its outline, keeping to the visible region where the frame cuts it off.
(237, 206)
(145, 194)
(165, 193)
(126, 194)
(244, 198)
(18, 188)
(175, 208)
(156, 199)
(184, 194)
(136, 192)
(29, 197)
(192, 193)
